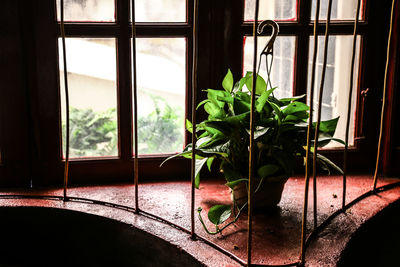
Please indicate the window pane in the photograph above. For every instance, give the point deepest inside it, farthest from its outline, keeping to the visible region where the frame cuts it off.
(283, 64)
(271, 9)
(337, 79)
(160, 10)
(161, 74)
(341, 9)
(91, 65)
(87, 10)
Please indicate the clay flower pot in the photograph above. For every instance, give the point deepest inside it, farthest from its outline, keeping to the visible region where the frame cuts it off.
(268, 195)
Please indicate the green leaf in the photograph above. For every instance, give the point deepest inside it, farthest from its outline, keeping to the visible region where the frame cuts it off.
(295, 107)
(189, 126)
(209, 163)
(229, 173)
(201, 142)
(210, 130)
(277, 110)
(328, 126)
(240, 106)
(302, 115)
(222, 126)
(213, 95)
(227, 83)
(241, 119)
(267, 170)
(182, 154)
(286, 101)
(220, 150)
(291, 118)
(238, 86)
(324, 140)
(260, 131)
(214, 110)
(219, 213)
(329, 163)
(261, 85)
(202, 103)
(226, 99)
(236, 182)
(199, 165)
(260, 103)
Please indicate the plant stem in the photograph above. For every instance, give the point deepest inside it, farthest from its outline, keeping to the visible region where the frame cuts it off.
(217, 229)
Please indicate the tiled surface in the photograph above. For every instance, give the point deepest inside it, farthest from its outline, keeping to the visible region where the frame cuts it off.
(276, 236)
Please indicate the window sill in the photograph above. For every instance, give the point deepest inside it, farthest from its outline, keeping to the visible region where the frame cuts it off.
(276, 236)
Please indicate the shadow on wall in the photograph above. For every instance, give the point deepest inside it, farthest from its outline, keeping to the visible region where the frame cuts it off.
(36, 236)
(376, 243)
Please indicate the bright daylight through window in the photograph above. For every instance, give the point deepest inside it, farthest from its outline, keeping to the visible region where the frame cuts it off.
(338, 65)
(92, 76)
(162, 71)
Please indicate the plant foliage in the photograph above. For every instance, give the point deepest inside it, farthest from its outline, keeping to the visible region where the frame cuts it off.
(280, 134)
(95, 133)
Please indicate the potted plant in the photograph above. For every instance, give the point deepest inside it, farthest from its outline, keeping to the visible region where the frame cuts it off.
(280, 138)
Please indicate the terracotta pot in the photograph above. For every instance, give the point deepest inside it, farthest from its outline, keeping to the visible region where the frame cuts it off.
(268, 195)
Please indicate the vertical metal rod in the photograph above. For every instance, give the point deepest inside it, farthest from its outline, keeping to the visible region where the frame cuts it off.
(194, 94)
(251, 141)
(383, 99)
(321, 92)
(309, 129)
(353, 56)
(135, 104)
(66, 165)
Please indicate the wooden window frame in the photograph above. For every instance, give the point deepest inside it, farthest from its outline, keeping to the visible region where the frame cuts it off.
(33, 155)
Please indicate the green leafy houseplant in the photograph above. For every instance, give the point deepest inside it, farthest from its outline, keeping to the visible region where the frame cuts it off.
(280, 137)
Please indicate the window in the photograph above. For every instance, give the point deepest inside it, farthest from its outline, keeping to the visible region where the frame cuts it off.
(295, 19)
(92, 74)
(99, 61)
(162, 64)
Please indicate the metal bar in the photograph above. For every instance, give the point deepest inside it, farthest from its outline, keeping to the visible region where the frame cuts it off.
(326, 222)
(194, 94)
(349, 105)
(135, 104)
(311, 102)
(251, 141)
(64, 52)
(383, 98)
(321, 92)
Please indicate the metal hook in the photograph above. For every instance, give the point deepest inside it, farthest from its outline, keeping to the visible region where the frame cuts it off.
(268, 49)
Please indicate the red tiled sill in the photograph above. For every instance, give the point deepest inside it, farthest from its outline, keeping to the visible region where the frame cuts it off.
(276, 236)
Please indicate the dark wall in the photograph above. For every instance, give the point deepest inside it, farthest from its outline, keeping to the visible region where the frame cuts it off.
(14, 126)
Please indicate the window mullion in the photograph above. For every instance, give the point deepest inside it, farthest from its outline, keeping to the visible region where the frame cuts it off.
(302, 46)
(124, 92)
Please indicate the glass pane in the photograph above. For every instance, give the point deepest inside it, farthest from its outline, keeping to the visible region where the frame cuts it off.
(341, 9)
(91, 65)
(271, 9)
(160, 10)
(282, 73)
(337, 79)
(161, 82)
(87, 10)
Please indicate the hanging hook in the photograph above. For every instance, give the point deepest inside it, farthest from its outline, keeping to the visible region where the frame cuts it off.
(268, 49)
